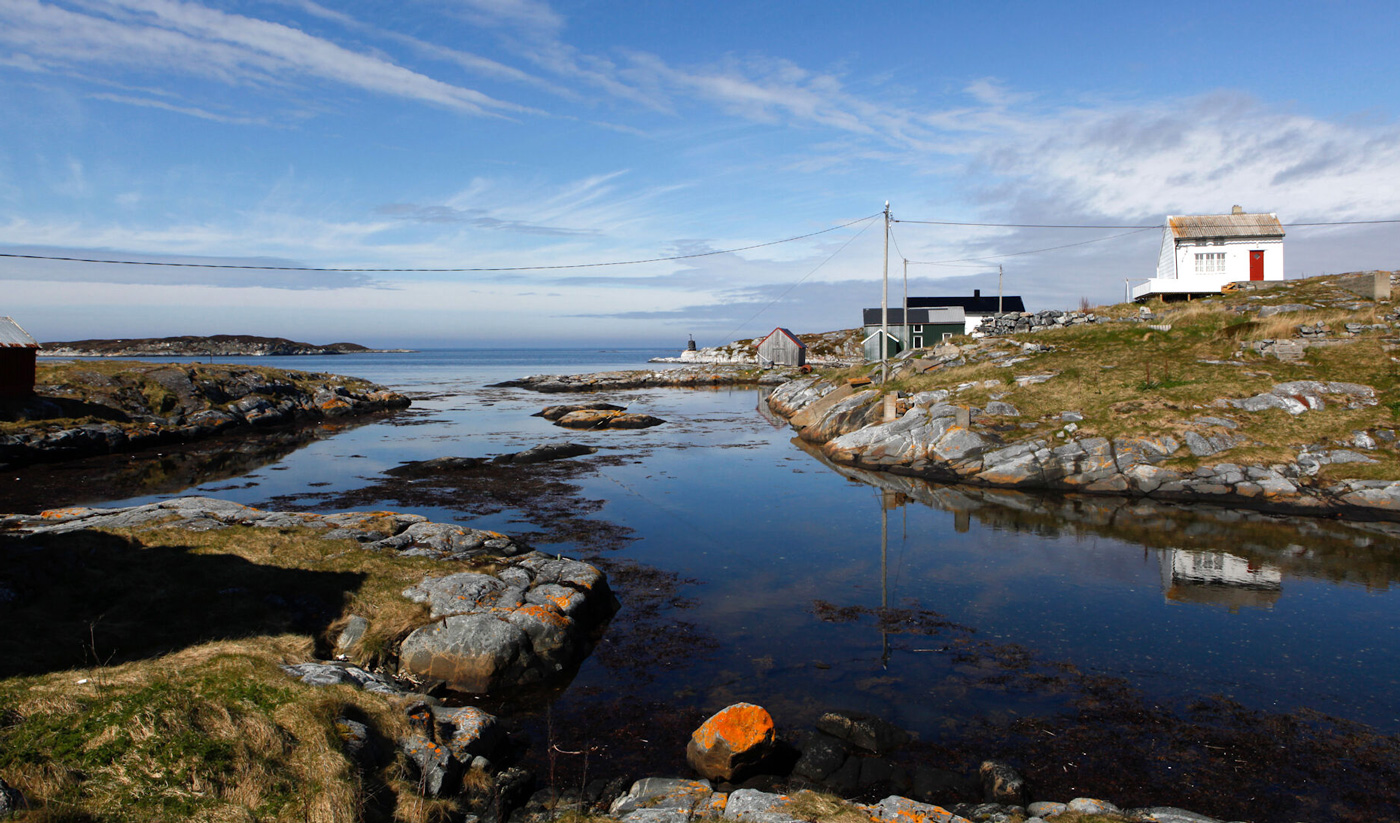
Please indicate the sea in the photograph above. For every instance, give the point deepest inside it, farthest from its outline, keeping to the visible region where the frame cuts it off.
(748, 569)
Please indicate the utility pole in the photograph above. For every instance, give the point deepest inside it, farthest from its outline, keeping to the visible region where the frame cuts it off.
(904, 311)
(998, 288)
(885, 304)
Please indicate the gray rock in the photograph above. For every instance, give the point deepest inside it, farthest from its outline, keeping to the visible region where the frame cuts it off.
(351, 635)
(462, 593)
(864, 731)
(439, 774)
(1169, 814)
(1287, 308)
(11, 800)
(1002, 409)
(664, 793)
(475, 653)
(1089, 805)
(821, 755)
(1222, 422)
(358, 742)
(756, 806)
(1045, 808)
(471, 733)
(1205, 445)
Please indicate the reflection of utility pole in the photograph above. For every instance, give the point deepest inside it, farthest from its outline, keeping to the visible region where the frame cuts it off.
(884, 582)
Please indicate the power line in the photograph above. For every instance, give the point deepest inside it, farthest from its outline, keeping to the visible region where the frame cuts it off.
(464, 269)
(832, 256)
(1155, 226)
(962, 260)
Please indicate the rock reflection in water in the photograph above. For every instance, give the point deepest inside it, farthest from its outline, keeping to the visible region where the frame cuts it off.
(1337, 551)
(169, 469)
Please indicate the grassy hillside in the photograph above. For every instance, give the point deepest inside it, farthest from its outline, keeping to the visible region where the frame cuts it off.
(1133, 374)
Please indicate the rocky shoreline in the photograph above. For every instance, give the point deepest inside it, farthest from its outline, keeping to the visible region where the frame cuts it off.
(138, 405)
(217, 345)
(684, 378)
(520, 619)
(931, 435)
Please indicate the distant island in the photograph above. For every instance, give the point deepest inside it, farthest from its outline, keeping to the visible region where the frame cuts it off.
(218, 345)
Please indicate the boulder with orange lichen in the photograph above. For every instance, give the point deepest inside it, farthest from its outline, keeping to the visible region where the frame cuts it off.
(523, 624)
(732, 743)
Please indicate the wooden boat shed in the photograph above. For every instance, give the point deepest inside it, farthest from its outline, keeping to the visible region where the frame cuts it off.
(782, 348)
(18, 354)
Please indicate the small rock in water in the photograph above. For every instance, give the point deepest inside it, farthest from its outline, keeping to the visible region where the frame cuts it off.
(1001, 783)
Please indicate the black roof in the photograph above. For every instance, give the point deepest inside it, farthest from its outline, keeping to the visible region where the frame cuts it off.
(871, 317)
(976, 304)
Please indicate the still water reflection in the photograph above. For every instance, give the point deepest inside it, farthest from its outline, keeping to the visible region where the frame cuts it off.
(803, 586)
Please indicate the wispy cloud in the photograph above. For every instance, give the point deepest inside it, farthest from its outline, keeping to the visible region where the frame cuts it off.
(189, 39)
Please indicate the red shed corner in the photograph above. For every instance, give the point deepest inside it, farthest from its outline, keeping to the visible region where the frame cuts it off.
(782, 348)
(17, 357)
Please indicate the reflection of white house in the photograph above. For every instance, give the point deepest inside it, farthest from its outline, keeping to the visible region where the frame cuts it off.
(1219, 578)
(1201, 253)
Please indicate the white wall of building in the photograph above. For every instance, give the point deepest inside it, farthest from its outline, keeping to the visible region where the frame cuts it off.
(1236, 251)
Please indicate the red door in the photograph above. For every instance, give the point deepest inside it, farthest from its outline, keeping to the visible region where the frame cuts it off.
(1256, 265)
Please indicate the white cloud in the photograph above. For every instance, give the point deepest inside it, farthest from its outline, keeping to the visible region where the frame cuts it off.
(188, 39)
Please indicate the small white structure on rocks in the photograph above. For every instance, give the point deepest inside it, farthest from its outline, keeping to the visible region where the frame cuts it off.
(782, 348)
(1201, 253)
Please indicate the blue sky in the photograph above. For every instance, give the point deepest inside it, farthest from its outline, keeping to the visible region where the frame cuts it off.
(510, 133)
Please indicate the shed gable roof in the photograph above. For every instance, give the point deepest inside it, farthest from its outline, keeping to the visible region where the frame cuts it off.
(1188, 227)
(786, 333)
(14, 337)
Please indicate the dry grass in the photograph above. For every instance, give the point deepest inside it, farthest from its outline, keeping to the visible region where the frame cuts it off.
(168, 704)
(824, 808)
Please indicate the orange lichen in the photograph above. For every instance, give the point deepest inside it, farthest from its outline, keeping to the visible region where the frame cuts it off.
(741, 727)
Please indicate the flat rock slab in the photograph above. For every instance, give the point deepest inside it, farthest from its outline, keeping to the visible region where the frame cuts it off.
(556, 412)
(592, 419)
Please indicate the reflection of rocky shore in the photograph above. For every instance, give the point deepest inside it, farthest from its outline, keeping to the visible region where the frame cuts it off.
(151, 471)
(1333, 550)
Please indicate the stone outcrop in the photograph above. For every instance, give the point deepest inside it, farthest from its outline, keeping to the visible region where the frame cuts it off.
(521, 625)
(690, 378)
(935, 439)
(149, 404)
(220, 345)
(593, 419)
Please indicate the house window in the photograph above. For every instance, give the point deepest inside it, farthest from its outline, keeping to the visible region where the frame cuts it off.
(1210, 262)
(918, 341)
(918, 329)
(947, 334)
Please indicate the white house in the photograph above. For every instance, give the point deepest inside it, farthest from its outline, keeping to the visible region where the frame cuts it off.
(1201, 253)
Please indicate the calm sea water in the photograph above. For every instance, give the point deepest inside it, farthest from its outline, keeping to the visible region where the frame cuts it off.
(1276, 613)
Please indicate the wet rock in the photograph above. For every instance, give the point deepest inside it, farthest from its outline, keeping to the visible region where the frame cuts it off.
(607, 420)
(821, 755)
(863, 730)
(544, 453)
(934, 785)
(732, 742)
(1001, 783)
(555, 412)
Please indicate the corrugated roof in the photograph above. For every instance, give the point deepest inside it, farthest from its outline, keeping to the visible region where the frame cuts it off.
(14, 337)
(1225, 225)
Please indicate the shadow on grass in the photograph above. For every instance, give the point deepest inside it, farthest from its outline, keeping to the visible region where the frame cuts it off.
(93, 599)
